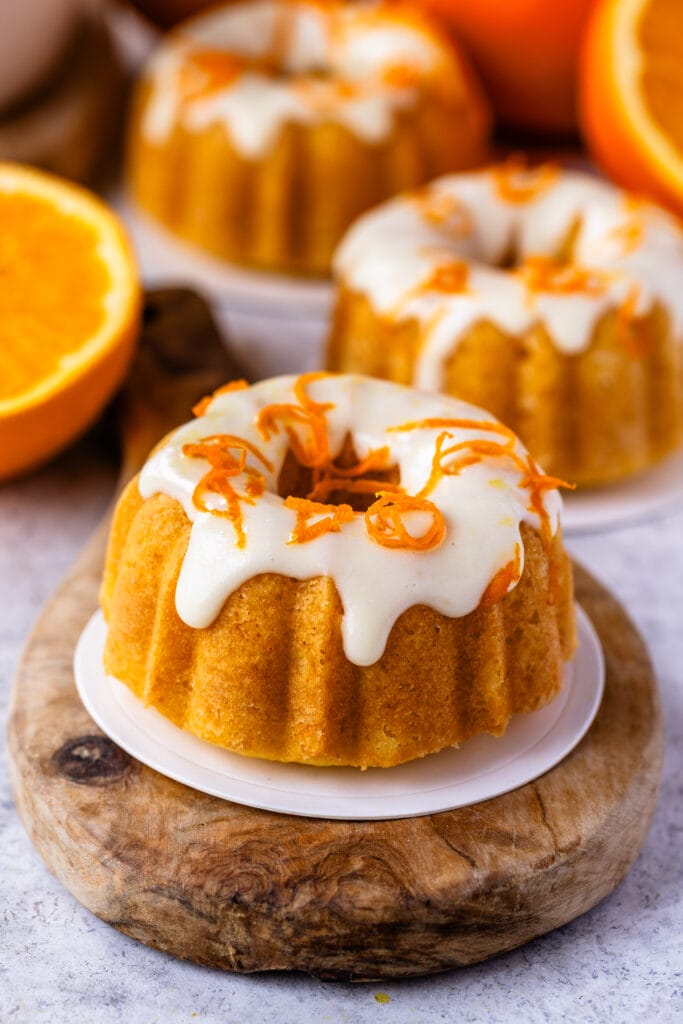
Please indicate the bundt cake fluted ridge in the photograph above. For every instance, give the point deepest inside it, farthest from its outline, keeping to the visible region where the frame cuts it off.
(337, 570)
(554, 302)
(265, 158)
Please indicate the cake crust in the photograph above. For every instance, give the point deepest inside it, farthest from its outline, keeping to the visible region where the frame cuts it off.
(548, 297)
(289, 659)
(264, 158)
(269, 677)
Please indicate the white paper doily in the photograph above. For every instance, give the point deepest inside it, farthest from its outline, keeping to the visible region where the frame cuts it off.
(482, 768)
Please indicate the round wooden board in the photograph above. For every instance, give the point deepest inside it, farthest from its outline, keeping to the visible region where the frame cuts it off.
(249, 890)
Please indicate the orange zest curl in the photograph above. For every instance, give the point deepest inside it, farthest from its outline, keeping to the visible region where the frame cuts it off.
(476, 450)
(309, 415)
(332, 518)
(203, 404)
(434, 422)
(313, 450)
(437, 208)
(515, 182)
(329, 478)
(503, 581)
(322, 95)
(227, 456)
(215, 482)
(537, 483)
(217, 450)
(384, 522)
(207, 71)
(450, 278)
(545, 274)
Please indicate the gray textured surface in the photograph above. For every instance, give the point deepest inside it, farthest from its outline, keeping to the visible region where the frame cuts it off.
(621, 962)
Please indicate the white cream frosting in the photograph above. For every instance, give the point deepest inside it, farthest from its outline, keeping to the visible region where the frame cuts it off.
(391, 252)
(326, 45)
(482, 509)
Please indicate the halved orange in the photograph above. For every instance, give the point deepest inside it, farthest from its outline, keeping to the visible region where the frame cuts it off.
(631, 95)
(69, 313)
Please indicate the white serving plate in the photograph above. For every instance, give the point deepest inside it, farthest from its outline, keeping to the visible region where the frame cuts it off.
(650, 495)
(276, 323)
(482, 768)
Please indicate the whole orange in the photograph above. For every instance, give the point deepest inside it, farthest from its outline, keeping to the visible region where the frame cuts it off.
(526, 54)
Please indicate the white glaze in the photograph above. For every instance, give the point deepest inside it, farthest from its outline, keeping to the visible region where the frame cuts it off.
(355, 44)
(482, 508)
(389, 253)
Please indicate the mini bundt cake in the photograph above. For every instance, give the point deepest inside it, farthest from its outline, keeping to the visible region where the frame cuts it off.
(549, 297)
(339, 571)
(262, 129)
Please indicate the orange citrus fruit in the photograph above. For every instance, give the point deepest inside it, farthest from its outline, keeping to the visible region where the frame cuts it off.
(69, 313)
(525, 52)
(632, 95)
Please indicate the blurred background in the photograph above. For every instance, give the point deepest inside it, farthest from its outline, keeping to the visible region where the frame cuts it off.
(594, 84)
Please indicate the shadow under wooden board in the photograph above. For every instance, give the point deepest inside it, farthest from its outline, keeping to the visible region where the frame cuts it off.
(247, 890)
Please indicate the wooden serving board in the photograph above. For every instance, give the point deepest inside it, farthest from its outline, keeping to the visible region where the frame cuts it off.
(248, 890)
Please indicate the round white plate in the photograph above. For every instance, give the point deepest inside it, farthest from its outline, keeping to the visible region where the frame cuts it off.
(276, 323)
(164, 256)
(482, 768)
(650, 495)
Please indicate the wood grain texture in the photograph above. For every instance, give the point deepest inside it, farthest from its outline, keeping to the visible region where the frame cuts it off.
(249, 890)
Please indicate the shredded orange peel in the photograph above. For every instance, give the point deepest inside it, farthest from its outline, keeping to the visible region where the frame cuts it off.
(313, 452)
(546, 274)
(439, 207)
(328, 519)
(218, 450)
(207, 71)
(384, 522)
(515, 182)
(384, 519)
(450, 278)
(476, 450)
(203, 404)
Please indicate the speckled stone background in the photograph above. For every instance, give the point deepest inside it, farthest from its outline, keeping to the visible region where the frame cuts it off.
(621, 962)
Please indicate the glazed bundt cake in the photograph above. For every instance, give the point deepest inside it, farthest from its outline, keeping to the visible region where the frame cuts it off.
(339, 571)
(261, 130)
(550, 298)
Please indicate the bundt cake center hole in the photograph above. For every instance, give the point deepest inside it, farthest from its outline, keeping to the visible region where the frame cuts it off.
(563, 254)
(297, 481)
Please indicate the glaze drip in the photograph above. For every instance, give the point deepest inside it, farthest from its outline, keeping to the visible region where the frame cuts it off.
(447, 536)
(253, 67)
(579, 248)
